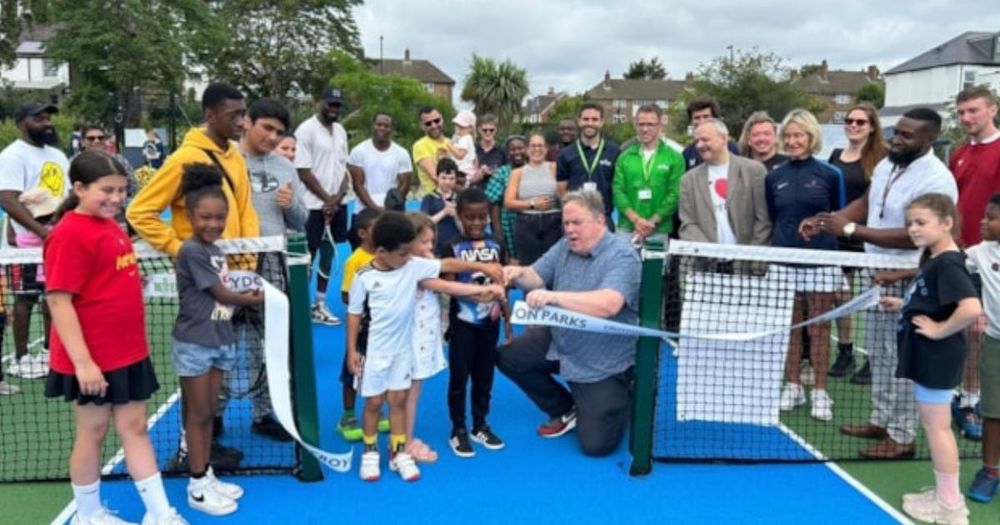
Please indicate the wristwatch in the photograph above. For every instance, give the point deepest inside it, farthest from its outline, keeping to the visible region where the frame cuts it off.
(849, 229)
(531, 204)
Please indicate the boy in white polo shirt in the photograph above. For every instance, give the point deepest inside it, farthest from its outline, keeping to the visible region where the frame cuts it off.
(380, 333)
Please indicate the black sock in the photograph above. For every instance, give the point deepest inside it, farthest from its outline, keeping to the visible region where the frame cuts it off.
(846, 348)
(199, 475)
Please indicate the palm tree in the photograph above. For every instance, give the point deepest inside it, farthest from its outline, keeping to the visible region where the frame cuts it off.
(496, 88)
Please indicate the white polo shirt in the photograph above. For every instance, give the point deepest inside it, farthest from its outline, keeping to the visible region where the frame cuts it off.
(984, 259)
(325, 153)
(892, 190)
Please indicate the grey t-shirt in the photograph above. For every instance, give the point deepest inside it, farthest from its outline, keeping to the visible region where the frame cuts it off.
(268, 173)
(201, 320)
(586, 357)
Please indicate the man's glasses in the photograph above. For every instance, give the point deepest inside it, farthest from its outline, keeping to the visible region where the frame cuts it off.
(432, 122)
(94, 138)
(488, 130)
(855, 122)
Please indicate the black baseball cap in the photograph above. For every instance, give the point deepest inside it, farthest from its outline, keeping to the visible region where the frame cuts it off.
(332, 94)
(33, 108)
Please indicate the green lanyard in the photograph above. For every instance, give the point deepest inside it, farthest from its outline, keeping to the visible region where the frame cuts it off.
(583, 158)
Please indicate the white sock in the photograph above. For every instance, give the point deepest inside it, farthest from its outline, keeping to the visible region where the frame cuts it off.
(320, 297)
(969, 399)
(153, 496)
(88, 498)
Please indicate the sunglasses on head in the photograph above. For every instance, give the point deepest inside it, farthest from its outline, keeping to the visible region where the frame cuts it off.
(855, 122)
(429, 123)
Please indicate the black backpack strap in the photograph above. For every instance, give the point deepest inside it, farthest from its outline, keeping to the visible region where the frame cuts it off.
(229, 181)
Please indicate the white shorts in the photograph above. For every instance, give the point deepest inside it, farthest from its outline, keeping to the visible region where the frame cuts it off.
(811, 278)
(385, 372)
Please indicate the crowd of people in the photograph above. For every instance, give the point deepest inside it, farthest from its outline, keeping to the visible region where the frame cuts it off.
(561, 221)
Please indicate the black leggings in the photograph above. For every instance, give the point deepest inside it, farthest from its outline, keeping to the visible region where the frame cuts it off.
(534, 234)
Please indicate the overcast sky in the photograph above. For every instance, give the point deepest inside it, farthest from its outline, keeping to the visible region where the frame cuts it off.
(568, 44)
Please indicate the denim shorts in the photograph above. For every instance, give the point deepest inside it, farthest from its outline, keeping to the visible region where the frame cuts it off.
(191, 360)
(933, 396)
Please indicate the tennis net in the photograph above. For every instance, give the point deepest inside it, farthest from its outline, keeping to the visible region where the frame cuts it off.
(36, 433)
(771, 398)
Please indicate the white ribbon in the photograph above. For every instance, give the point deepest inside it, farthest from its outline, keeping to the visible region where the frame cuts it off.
(553, 316)
(279, 376)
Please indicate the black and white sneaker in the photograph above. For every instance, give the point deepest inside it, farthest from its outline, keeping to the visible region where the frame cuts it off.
(484, 436)
(460, 444)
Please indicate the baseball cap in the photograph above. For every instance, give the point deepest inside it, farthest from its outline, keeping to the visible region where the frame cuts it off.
(465, 118)
(332, 94)
(30, 109)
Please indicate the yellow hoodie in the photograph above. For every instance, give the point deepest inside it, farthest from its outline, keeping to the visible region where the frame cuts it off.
(164, 189)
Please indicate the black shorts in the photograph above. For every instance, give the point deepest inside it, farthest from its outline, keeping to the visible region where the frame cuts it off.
(23, 279)
(315, 226)
(135, 382)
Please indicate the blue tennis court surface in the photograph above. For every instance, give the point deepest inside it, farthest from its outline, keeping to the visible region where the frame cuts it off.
(532, 480)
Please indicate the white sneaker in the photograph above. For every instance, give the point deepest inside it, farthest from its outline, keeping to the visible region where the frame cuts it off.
(229, 490)
(202, 496)
(404, 464)
(171, 518)
(27, 368)
(792, 396)
(369, 466)
(7, 389)
(103, 517)
(806, 374)
(932, 510)
(822, 405)
(321, 314)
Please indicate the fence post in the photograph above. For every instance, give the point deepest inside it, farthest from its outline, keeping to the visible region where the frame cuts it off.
(647, 359)
(303, 367)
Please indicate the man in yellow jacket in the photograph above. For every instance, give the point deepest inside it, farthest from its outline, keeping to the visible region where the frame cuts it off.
(223, 110)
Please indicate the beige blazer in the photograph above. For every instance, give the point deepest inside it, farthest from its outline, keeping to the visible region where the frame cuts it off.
(745, 204)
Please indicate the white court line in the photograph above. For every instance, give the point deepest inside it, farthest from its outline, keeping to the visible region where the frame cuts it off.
(842, 474)
(70, 508)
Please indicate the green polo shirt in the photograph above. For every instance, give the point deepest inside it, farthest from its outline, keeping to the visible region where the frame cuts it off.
(648, 188)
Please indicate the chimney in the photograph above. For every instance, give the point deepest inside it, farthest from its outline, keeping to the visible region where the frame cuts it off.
(824, 69)
(406, 56)
(793, 75)
(552, 91)
(689, 77)
(873, 73)
(607, 79)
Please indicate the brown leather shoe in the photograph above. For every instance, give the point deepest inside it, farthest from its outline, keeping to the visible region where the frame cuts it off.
(866, 430)
(888, 448)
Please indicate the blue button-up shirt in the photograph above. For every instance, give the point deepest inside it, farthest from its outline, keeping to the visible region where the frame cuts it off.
(586, 357)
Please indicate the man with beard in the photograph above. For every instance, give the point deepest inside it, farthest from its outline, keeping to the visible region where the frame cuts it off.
(589, 163)
(911, 169)
(566, 136)
(29, 163)
(428, 149)
(321, 160)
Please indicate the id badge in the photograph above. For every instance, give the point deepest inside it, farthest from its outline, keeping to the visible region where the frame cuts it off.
(589, 186)
(645, 195)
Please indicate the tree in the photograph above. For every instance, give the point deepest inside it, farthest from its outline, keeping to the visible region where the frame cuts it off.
(642, 70)
(496, 88)
(368, 93)
(277, 49)
(746, 82)
(873, 93)
(121, 49)
(565, 108)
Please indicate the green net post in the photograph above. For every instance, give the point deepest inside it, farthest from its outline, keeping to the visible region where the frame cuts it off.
(303, 367)
(646, 359)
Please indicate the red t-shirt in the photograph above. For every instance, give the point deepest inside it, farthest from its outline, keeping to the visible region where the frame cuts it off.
(977, 173)
(93, 260)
